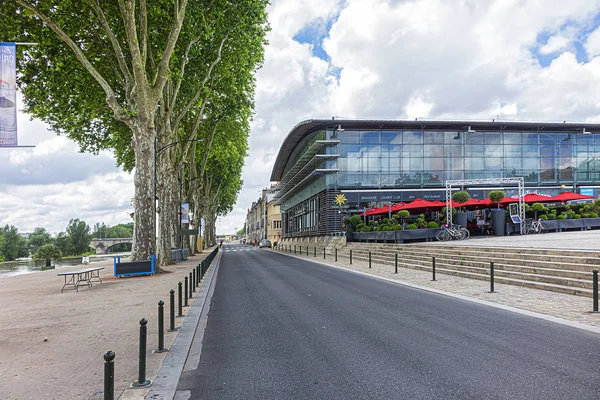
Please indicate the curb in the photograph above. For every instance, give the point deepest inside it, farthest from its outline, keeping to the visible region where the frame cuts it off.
(164, 386)
(550, 318)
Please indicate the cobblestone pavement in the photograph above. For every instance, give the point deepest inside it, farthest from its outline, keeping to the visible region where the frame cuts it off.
(569, 307)
(573, 240)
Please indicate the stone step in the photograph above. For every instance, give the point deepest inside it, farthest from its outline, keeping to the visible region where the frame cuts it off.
(529, 254)
(567, 282)
(483, 259)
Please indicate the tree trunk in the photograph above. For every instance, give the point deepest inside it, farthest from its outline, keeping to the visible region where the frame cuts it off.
(143, 220)
(168, 212)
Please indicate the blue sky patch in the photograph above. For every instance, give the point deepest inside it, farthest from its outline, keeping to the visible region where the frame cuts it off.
(314, 33)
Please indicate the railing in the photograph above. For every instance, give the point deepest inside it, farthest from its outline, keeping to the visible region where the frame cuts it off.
(178, 255)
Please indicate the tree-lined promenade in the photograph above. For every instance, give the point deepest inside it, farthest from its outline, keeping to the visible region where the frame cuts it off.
(168, 86)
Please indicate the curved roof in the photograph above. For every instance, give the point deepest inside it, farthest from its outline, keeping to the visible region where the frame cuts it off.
(305, 128)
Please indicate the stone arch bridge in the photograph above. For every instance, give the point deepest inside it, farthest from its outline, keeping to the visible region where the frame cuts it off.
(102, 246)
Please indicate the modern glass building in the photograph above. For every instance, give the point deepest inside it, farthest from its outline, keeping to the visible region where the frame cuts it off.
(376, 162)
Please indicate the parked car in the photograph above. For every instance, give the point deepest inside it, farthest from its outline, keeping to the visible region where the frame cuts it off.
(265, 243)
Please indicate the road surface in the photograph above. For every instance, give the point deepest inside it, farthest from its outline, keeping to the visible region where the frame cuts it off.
(285, 328)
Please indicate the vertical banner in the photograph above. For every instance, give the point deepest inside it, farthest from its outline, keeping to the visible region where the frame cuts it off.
(185, 213)
(8, 94)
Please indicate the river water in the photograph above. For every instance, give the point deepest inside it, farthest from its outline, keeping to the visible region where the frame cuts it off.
(27, 266)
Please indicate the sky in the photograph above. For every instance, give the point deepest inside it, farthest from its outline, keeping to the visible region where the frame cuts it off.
(524, 60)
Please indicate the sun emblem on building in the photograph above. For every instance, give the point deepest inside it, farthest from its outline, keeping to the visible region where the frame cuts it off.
(340, 199)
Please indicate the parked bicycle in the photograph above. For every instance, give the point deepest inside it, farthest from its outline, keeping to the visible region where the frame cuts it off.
(455, 232)
(532, 226)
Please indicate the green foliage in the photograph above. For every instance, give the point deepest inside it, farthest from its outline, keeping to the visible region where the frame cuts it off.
(576, 216)
(538, 207)
(397, 227)
(242, 231)
(12, 243)
(48, 252)
(432, 225)
(544, 217)
(461, 196)
(593, 215)
(496, 196)
(551, 216)
(403, 214)
(421, 223)
(79, 233)
(411, 226)
(561, 217)
(353, 222)
(38, 238)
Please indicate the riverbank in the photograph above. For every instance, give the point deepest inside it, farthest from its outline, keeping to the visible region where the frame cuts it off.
(53, 343)
(27, 265)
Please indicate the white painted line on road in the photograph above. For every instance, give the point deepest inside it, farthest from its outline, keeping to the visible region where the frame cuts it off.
(534, 314)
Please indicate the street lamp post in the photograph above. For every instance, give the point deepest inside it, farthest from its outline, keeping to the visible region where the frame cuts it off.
(157, 152)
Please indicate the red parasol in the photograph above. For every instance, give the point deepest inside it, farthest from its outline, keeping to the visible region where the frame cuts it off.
(568, 196)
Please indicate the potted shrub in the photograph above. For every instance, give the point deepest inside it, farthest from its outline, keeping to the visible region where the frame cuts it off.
(498, 215)
(537, 207)
(461, 197)
(403, 214)
(48, 252)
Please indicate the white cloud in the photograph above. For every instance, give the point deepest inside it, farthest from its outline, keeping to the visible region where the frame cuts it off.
(592, 44)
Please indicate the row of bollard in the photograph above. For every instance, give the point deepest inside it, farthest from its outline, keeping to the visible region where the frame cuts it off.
(192, 282)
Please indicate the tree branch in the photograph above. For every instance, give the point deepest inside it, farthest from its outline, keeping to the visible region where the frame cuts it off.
(113, 40)
(111, 97)
(144, 31)
(194, 100)
(161, 75)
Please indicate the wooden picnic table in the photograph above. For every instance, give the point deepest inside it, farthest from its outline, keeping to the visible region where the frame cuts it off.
(75, 278)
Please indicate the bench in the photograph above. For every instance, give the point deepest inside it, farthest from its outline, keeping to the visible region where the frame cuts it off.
(81, 277)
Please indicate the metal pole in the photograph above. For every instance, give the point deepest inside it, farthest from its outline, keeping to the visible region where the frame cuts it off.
(396, 263)
(350, 256)
(336, 254)
(194, 280)
(109, 375)
(142, 364)
(369, 259)
(180, 300)
(315, 251)
(186, 291)
(191, 286)
(323, 253)
(306, 251)
(389, 210)
(492, 277)
(161, 327)
(433, 267)
(172, 311)
(595, 277)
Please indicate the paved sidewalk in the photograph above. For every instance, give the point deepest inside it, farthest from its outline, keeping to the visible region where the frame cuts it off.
(569, 307)
(80, 327)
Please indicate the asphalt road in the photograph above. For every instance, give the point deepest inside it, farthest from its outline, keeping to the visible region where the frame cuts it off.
(283, 328)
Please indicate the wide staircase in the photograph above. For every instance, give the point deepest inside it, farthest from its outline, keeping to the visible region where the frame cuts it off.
(564, 271)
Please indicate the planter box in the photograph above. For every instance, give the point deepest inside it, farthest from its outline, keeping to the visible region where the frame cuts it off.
(591, 222)
(552, 225)
(570, 224)
(426, 234)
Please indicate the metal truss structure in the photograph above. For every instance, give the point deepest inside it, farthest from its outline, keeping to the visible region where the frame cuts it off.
(487, 182)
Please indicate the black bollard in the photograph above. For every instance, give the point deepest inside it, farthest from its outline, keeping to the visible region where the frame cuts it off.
(433, 267)
(306, 251)
(595, 277)
(396, 264)
(350, 257)
(294, 249)
(323, 253)
(191, 286)
(161, 328)
(195, 285)
(336, 254)
(315, 251)
(492, 277)
(172, 311)
(142, 364)
(185, 279)
(369, 259)
(180, 300)
(109, 375)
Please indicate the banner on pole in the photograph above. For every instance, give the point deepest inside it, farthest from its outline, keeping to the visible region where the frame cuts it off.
(185, 213)
(8, 95)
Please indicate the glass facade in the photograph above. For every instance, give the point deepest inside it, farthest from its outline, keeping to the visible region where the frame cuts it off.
(422, 159)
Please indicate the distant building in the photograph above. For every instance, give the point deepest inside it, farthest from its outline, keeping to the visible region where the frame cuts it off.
(263, 220)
